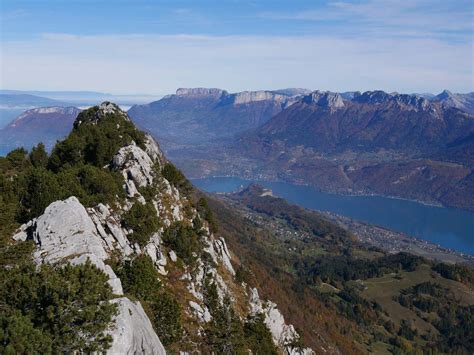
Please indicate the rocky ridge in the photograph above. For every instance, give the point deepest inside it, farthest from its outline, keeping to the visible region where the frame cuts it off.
(239, 98)
(463, 102)
(67, 232)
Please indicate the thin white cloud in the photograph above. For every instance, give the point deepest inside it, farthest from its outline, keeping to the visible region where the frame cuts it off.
(419, 18)
(159, 64)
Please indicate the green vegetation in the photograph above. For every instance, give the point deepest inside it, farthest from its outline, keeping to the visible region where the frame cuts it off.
(140, 280)
(95, 143)
(243, 274)
(456, 272)
(454, 322)
(258, 336)
(207, 214)
(227, 334)
(177, 179)
(38, 156)
(77, 166)
(166, 315)
(143, 221)
(184, 240)
(139, 277)
(65, 309)
(52, 309)
(345, 268)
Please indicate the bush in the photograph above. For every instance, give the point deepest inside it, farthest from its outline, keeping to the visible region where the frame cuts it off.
(258, 337)
(143, 220)
(18, 159)
(184, 240)
(38, 156)
(58, 310)
(166, 316)
(177, 179)
(139, 277)
(93, 184)
(455, 272)
(225, 332)
(243, 274)
(42, 188)
(19, 336)
(205, 211)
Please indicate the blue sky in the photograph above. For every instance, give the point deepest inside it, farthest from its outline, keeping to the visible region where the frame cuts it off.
(157, 46)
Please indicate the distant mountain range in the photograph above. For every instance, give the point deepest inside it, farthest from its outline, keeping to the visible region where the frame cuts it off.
(193, 116)
(13, 104)
(375, 143)
(369, 122)
(390, 144)
(45, 124)
(410, 146)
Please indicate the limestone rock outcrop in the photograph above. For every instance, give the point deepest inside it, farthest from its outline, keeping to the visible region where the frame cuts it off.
(331, 100)
(66, 233)
(284, 335)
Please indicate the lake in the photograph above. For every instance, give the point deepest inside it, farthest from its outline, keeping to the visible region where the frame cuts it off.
(448, 227)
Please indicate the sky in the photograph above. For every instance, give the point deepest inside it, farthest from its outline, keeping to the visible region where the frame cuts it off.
(155, 47)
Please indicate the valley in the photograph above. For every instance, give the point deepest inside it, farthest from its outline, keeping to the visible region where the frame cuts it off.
(391, 225)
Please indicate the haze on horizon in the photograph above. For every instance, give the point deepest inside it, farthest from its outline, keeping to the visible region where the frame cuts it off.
(154, 47)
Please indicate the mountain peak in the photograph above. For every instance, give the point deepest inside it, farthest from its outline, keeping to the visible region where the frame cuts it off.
(328, 99)
(96, 113)
(445, 94)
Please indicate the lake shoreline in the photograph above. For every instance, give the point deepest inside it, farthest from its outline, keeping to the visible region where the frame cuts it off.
(447, 230)
(353, 194)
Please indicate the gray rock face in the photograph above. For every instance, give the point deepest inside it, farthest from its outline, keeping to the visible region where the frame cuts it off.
(220, 253)
(327, 99)
(199, 92)
(66, 233)
(253, 96)
(153, 150)
(133, 333)
(201, 312)
(135, 165)
(239, 98)
(283, 334)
